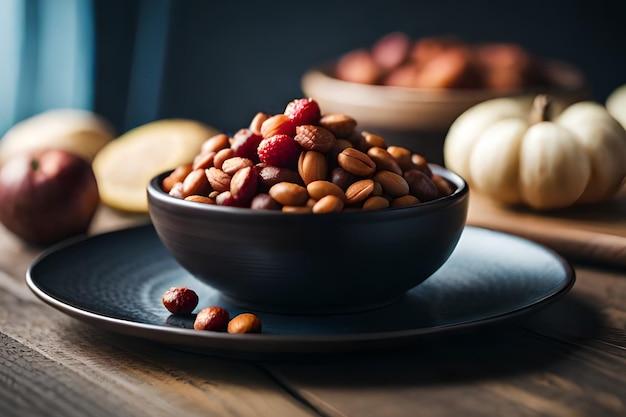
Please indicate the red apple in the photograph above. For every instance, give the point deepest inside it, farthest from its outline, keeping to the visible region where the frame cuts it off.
(47, 195)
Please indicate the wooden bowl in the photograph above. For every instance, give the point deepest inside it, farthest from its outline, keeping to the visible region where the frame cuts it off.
(419, 118)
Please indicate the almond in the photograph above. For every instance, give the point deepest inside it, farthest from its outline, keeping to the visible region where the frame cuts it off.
(314, 138)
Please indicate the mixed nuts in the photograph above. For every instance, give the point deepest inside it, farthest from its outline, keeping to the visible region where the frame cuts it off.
(181, 301)
(442, 62)
(303, 161)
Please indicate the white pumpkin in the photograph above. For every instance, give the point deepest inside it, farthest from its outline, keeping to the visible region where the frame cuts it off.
(616, 104)
(516, 152)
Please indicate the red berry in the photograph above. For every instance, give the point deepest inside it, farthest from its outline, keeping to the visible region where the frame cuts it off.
(304, 111)
(279, 151)
(245, 143)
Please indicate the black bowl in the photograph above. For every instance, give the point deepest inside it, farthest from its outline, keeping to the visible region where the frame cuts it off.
(310, 263)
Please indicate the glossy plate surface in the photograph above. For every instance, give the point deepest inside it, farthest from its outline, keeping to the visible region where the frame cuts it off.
(115, 281)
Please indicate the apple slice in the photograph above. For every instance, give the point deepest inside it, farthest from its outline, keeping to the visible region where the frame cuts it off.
(124, 166)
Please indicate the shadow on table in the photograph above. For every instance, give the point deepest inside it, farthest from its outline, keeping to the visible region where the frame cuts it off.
(531, 343)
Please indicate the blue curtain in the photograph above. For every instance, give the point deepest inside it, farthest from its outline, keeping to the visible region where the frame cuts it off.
(11, 38)
(46, 50)
(49, 58)
(148, 64)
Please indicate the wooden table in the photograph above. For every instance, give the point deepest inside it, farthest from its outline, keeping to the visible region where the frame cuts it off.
(568, 359)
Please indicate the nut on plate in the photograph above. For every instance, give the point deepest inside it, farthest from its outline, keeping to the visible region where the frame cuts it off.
(213, 318)
(180, 300)
(245, 323)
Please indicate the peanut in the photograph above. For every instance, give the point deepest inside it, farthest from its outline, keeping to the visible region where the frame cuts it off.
(243, 184)
(244, 323)
(393, 184)
(219, 180)
(359, 191)
(215, 143)
(328, 204)
(383, 159)
(180, 300)
(289, 194)
(212, 318)
(319, 189)
(200, 199)
(257, 121)
(375, 202)
(356, 162)
(312, 166)
(196, 182)
(341, 125)
(178, 175)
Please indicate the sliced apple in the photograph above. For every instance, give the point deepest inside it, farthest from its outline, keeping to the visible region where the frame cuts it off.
(124, 166)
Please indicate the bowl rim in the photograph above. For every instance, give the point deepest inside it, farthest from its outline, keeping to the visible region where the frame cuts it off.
(320, 76)
(156, 195)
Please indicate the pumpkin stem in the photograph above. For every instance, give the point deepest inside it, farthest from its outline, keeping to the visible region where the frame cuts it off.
(541, 110)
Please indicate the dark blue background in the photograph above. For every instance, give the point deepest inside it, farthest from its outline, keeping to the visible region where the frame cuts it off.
(226, 60)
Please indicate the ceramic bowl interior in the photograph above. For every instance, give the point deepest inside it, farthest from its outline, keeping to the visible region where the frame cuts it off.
(419, 118)
(310, 263)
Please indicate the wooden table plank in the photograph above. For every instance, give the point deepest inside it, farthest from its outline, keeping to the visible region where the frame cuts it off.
(36, 385)
(586, 232)
(63, 362)
(52, 364)
(568, 359)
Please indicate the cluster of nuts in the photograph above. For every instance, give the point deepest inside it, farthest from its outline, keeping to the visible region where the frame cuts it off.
(441, 62)
(303, 161)
(182, 301)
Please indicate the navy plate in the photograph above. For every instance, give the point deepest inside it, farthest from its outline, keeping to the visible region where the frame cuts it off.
(115, 281)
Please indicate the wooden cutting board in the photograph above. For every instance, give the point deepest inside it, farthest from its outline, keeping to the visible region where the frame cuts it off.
(595, 233)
